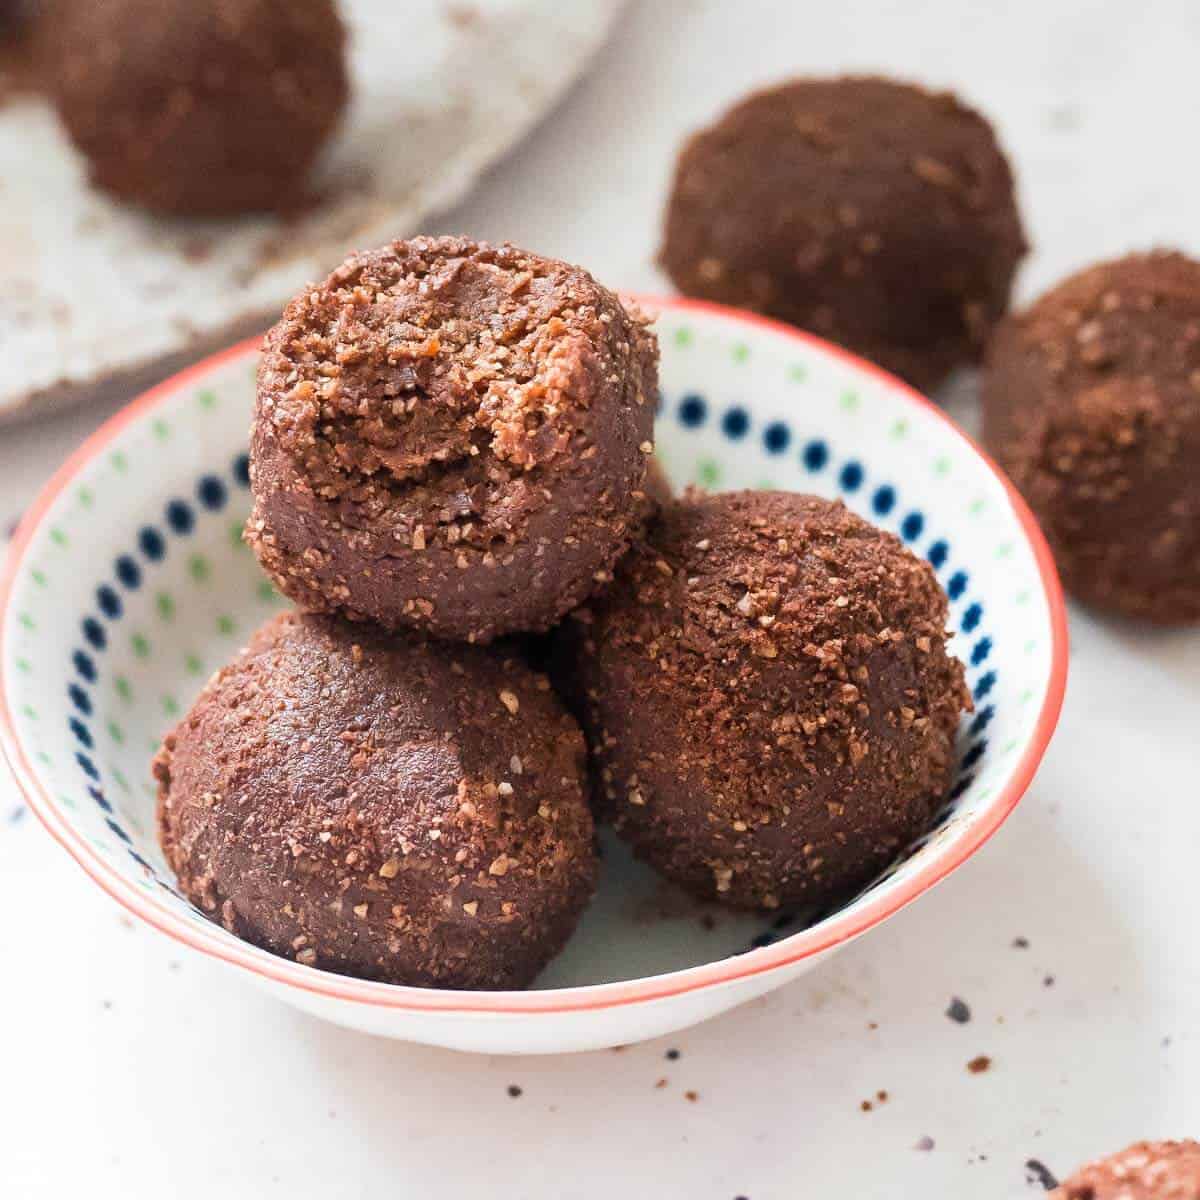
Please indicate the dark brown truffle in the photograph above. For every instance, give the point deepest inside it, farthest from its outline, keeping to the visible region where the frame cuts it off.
(1092, 405)
(198, 107)
(384, 807)
(452, 436)
(874, 213)
(1146, 1171)
(768, 697)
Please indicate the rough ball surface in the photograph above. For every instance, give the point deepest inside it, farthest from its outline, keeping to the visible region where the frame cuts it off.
(383, 807)
(198, 107)
(768, 697)
(871, 212)
(451, 436)
(1092, 405)
(1145, 1171)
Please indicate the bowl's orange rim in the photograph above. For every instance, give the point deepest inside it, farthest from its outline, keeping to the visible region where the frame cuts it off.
(786, 952)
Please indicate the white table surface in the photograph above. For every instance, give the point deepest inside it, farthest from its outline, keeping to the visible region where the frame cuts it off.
(131, 1068)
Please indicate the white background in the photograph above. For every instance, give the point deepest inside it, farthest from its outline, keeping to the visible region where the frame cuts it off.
(129, 1068)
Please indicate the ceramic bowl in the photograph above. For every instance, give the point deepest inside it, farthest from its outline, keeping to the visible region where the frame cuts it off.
(128, 584)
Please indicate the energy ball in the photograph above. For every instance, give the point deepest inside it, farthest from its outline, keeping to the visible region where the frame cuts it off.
(381, 806)
(767, 696)
(1146, 1171)
(451, 436)
(198, 107)
(1092, 405)
(874, 213)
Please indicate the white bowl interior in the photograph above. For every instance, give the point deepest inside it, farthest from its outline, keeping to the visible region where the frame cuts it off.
(135, 586)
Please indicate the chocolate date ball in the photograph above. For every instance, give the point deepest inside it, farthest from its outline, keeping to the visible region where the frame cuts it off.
(451, 436)
(1092, 405)
(1145, 1171)
(876, 214)
(382, 807)
(768, 697)
(198, 107)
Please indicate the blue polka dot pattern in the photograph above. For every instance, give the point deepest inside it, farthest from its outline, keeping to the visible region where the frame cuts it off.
(981, 650)
(152, 544)
(971, 618)
(180, 517)
(735, 423)
(776, 437)
(211, 493)
(93, 631)
(128, 572)
(816, 455)
(851, 477)
(693, 411)
(109, 601)
(957, 585)
(985, 685)
(912, 527)
(973, 755)
(982, 719)
(884, 500)
(118, 831)
(938, 553)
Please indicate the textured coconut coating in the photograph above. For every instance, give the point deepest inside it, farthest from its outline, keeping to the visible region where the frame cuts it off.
(451, 436)
(383, 807)
(768, 697)
(1145, 1171)
(1092, 405)
(874, 213)
(198, 107)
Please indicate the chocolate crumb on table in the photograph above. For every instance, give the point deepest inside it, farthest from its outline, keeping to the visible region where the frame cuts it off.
(979, 1064)
(959, 1011)
(514, 1091)
(1038, 1173)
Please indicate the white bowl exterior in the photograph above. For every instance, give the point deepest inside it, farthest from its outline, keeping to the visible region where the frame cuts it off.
(544, 1033)
(156, 640)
